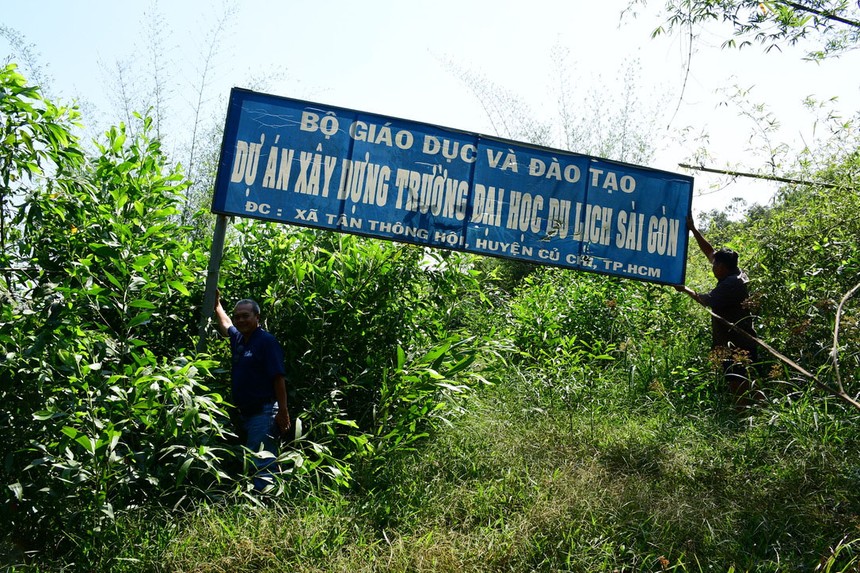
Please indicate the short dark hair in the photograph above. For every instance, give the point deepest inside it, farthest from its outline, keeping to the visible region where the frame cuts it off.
(727, 257)
(251, 302)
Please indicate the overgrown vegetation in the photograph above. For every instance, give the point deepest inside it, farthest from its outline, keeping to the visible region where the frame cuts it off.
(831, 26)
(461, 414)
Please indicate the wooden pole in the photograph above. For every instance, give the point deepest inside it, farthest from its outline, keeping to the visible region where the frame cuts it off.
(758, 176)
(212, 275)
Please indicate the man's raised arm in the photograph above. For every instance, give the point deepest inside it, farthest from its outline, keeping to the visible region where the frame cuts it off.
(704, 245)
(221, 318)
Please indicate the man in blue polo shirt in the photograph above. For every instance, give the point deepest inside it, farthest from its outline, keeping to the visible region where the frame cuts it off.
(258, 384)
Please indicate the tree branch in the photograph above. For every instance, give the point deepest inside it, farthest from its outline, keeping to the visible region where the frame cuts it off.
(811, 10)
(834, 353)
(687, 67)
(838, 392)
(758, 176)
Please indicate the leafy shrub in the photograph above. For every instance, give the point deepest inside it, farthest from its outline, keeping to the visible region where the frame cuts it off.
(342, 306)
(808, 258)
(102, 411)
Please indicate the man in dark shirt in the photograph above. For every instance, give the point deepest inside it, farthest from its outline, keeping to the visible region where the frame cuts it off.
(728, 300)
(258, 384)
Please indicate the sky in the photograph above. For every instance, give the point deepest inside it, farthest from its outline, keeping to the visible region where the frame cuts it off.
(393, 58)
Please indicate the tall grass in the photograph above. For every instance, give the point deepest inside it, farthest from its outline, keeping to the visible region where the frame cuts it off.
(525, 482)
(621, 456)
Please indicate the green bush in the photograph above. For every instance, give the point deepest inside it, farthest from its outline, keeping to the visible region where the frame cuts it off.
(342, 306)
(103, 412)
(807, 258)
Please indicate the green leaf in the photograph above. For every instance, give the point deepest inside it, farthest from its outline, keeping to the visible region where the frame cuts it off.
(113, 280)
(180, 287)
(183, 471)
(70, 432)
(87, 443)
(401, 358)
(141, 318)
(435, 356)
(461, 365)
(103, 250)
(118, 139)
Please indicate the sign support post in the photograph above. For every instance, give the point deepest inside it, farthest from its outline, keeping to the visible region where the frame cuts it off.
(212, 274)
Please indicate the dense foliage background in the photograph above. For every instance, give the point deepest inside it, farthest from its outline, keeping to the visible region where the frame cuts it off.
(460, 413)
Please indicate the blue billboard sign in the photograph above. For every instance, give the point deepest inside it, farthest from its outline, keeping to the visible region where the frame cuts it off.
(343, 170)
